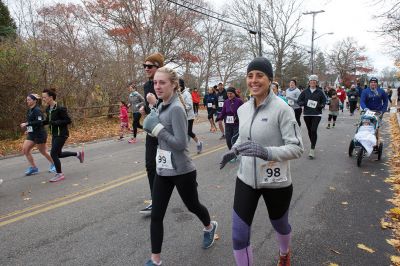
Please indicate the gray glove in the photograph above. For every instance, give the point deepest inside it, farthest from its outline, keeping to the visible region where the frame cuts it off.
(228, 156)
(252, 149)
(151, 123)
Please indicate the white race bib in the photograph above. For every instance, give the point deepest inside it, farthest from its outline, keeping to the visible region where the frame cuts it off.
(352, 97)
(312, 104)
(164, 159)
(230, 119)
(39, 118)
(339, 93)
(274, 172)
(209, 105)
(29, 129)
(220, 104)
(290, 102)
(370, 113)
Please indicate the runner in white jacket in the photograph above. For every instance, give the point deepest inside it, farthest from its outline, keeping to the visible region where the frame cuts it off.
(269, 137)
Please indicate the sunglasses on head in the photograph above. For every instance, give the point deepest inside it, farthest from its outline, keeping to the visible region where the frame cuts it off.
(148, 66)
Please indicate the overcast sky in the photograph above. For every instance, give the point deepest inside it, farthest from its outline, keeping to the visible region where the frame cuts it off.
(346, 18)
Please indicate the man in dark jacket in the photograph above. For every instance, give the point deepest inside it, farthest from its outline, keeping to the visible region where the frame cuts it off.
(313, 100)
(151, 64)
(222, 96)
(352, 95)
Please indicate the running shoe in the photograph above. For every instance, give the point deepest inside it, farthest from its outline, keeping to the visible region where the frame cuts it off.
(151, 263)
(311, 155)
(199, 147)
(1, 181)
(132, 141)
(31, 170)
(57, 177)
(208, 239)
(147, 210)
(284, 260)
(52, 169)
(222, 137)
(81, 155)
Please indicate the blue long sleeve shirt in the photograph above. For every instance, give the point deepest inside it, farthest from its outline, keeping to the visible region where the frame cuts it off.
(374, 100)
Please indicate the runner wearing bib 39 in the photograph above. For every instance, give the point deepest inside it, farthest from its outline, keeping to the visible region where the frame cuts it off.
(174, 166)
(313, 100)
(269, 137)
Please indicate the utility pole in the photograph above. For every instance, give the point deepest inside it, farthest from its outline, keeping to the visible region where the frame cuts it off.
(312, 36)
(259, 31)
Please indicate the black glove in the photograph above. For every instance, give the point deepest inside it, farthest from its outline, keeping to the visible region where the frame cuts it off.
(252, 149)
(227, 156)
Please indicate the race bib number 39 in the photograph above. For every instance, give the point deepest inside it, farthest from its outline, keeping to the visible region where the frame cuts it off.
(220, 104)
(164, 159)
(312, 104)
(274, 172)
(230, 119)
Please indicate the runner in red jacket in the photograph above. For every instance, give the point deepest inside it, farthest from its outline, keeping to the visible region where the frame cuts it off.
(341, 94)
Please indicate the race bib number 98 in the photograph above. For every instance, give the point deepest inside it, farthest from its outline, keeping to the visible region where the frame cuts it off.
(274, 172)
(312, 104)
(164, 159)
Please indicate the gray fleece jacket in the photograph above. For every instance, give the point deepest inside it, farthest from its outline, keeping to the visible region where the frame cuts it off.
(273, 125)
(173, 137)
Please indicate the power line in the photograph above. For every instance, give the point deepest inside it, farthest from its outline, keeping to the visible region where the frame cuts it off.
(212, 16)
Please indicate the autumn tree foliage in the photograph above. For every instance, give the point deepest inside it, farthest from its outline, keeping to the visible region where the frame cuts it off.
(348, 60)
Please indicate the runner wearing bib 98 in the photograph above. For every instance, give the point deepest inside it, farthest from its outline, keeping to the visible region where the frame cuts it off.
(174, 167)
(313, 99)
(229, 115)
(269, 137)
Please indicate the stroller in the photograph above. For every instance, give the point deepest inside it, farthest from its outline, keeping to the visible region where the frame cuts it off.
(365, 140)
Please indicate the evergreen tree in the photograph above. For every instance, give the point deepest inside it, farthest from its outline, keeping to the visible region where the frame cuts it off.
(7, 24)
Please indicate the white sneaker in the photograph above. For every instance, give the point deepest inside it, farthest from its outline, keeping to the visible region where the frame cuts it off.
(1, 181)
(311, 155)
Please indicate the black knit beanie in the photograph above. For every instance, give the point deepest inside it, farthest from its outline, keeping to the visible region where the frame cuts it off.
(261, 64)
(231, 89)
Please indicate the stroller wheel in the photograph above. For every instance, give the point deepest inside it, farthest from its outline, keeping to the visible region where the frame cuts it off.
(360, 156)
(380, 150)
(351, 148)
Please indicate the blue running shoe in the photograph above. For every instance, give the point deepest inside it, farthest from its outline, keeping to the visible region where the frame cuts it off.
(151, 263)
(52, 169)
(208, 240)
(31, 170)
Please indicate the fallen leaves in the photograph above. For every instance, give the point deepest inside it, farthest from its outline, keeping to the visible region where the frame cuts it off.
(364, 247)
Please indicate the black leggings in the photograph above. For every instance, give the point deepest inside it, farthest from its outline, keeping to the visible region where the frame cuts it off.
(151, 154)
(353, 106)
(136, 123)
(330, 117)
(231, 134)
(163, 186)
(297, 113)
(196, 108)
(312, 123)
(56, 152)
(190, 129)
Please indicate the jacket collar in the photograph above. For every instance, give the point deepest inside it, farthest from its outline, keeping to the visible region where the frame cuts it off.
(266, 100)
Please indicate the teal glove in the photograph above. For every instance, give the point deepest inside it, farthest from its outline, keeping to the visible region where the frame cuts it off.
(151, 123)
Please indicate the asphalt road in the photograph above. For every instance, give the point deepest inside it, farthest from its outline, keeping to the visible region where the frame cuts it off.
(91, 218)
